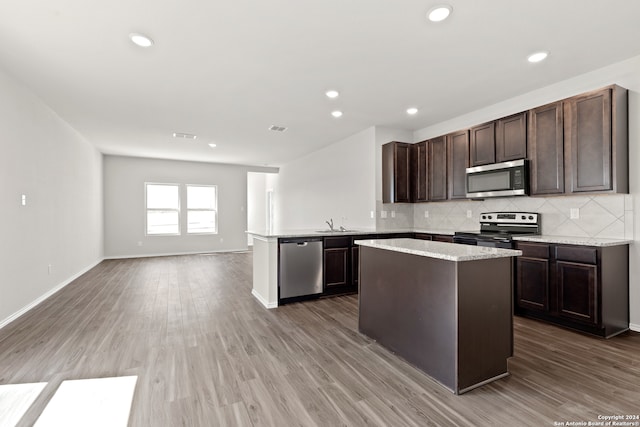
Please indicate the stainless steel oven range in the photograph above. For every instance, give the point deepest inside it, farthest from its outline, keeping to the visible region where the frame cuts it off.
(497, 229)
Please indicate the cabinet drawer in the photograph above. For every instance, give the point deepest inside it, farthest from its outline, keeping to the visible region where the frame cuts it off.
(337, 242)
(533, 250)
(585, 255)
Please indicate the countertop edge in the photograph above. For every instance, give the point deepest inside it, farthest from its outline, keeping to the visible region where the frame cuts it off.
(430, 249)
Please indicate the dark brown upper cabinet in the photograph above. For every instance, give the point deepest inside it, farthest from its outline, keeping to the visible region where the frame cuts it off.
(396, 172)
(457, 164)
(482, 144)
(420, 172)
(546, 149)
(437, 168)
(595, 131)
(511, 138)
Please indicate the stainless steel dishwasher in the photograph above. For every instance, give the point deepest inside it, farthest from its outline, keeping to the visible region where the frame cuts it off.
(300, 267)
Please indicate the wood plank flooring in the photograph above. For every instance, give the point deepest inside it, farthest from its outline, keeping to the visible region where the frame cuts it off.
(206, 353)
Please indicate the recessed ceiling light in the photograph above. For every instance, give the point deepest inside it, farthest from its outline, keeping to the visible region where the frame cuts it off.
(212, 145)
(411, 111)
(336, 113)
(332, 93)
(439, 13)
(537, 57)
(141, 40)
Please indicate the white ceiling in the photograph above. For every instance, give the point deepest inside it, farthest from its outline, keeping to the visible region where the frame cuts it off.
(226, 70)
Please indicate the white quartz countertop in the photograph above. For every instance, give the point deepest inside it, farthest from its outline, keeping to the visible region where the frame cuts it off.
(439, 250)
(571, 240)
(290, 233)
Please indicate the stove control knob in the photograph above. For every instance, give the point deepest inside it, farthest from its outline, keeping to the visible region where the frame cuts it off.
(531, 217)
(524, 217)
(484, 217)
(490, 217)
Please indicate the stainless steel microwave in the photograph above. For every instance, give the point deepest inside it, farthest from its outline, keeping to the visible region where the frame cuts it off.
(498, 180)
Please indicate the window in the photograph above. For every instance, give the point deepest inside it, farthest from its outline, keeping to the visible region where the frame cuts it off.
(163, 209)
(202, 205)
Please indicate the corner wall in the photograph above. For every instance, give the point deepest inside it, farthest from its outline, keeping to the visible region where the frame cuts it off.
(334, 182)
(57, 235)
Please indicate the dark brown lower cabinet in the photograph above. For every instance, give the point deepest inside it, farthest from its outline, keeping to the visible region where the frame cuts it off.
(579, 287)
(532, 283)
(577, 297)
(337, 265)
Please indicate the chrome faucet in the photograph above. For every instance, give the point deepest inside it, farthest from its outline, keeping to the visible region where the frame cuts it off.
(330, 224)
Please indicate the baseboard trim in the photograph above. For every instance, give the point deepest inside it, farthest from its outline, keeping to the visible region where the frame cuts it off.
(48, 294)
(245, 249)
(263, 301)
(634, 327)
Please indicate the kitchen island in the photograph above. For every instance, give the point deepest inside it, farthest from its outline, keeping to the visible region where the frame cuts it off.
(445, 308)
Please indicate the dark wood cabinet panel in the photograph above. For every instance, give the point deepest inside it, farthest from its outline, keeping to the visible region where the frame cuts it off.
(396, 172)
(585, 288)
(511, 138)
(596, 140)
(532, 283)
(423, 236)
(546, 149)
(336, 267)
(442, 238)
(587, 127)
(355, 265)
(437, 170)
(420, 172)
(482, 144)
(577, 297)
(457, 164)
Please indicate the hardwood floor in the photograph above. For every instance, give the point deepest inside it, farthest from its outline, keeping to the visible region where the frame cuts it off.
(207, 353)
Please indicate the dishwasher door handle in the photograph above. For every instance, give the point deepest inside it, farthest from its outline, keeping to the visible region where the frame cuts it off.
(302, 243)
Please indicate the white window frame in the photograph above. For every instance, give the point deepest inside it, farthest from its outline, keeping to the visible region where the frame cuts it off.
(147, 209)
(202, 210)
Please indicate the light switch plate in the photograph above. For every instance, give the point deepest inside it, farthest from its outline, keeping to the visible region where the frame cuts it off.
(393, 214)
(426, 214)
(575, 213)
(383, 214)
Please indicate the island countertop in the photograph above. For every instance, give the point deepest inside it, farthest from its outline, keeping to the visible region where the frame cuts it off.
(439, 250)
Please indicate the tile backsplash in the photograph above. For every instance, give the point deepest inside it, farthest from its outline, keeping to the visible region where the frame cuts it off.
(606, 216)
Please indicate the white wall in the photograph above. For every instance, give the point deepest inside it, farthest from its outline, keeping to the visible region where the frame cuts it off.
(61, 225)
(625, 74)
(335, 182)
(124, 206)
(258, 183)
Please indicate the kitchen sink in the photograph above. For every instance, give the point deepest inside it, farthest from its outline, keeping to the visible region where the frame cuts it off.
(335, 231)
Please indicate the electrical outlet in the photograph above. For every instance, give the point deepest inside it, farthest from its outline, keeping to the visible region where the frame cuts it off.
(373, 215)
(24, 200)
(575, 213)
(383, 214)
(393, 214)
(426, 214)
(469, 213)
